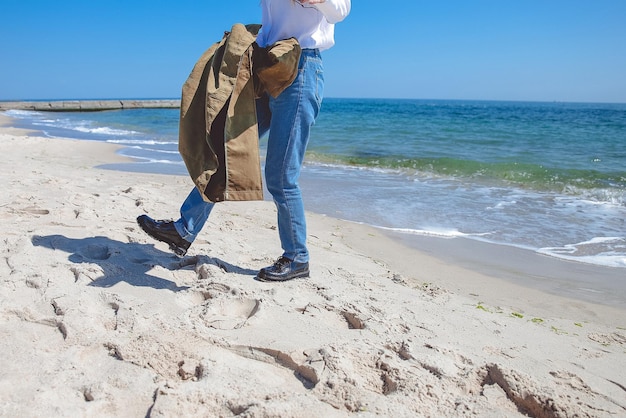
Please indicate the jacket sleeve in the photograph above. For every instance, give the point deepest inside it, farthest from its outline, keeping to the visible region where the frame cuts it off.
(334, 10)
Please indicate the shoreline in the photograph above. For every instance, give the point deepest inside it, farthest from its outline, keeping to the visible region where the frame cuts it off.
(577, 280)
(489, 274)
(100, 320)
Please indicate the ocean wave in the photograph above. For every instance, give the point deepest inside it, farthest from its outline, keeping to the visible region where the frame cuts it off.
(611, 196)
(435, 232)
(150, 150)
(102, 130)
(84, 127)
(313, 163)
(600, 251)
(139, 142)
(44, 121)
(145, 160)
(604, 251)
(20, 114)
(609, 187)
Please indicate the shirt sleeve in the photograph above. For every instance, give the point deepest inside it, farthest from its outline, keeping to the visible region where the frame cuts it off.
(334, 10)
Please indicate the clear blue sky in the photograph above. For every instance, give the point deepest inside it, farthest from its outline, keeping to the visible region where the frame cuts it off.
(543, 50)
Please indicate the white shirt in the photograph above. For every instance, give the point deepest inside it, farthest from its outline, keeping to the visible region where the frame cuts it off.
(312, 25)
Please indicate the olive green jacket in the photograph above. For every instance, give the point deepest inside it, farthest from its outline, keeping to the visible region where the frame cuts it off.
(218, 133)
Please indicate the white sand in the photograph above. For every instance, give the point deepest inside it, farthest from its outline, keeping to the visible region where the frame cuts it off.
(99, 320)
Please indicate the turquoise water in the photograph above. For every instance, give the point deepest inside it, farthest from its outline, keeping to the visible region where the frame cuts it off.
(549, 177)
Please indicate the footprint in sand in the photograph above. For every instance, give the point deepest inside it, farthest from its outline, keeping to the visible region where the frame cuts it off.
(34, 210)
(20, 211)
(213, 290)
(95, 252)
(353, 320)
(228, 313)
(307, 372)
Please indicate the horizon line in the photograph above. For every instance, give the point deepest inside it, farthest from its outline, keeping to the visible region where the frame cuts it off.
(169, 99)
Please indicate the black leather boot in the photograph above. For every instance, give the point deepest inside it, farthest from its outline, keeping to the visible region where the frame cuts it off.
(282, 270)
(164, 231)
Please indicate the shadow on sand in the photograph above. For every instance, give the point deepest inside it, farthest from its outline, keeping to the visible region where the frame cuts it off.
(127, 261)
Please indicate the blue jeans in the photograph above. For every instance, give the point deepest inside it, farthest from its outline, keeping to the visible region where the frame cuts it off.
(289, 119)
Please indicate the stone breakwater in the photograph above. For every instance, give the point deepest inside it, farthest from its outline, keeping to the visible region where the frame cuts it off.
(88, 105)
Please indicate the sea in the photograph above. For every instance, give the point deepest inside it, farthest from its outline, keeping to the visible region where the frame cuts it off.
(544, 177)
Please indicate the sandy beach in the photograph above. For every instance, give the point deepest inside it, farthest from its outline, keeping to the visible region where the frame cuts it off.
(99, 320)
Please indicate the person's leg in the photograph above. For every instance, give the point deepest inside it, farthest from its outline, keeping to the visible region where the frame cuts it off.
(179, 234)
(194, 213)
(293, 114)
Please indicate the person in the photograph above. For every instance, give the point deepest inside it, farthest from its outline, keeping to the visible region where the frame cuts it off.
(287, 119)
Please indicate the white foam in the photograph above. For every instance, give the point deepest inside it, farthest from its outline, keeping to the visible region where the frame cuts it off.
(605, 251)
(138, 142)
(21, 113)
(144, 160)
(501, 205)
(102, 130)
(610, 197)
(435, 232)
